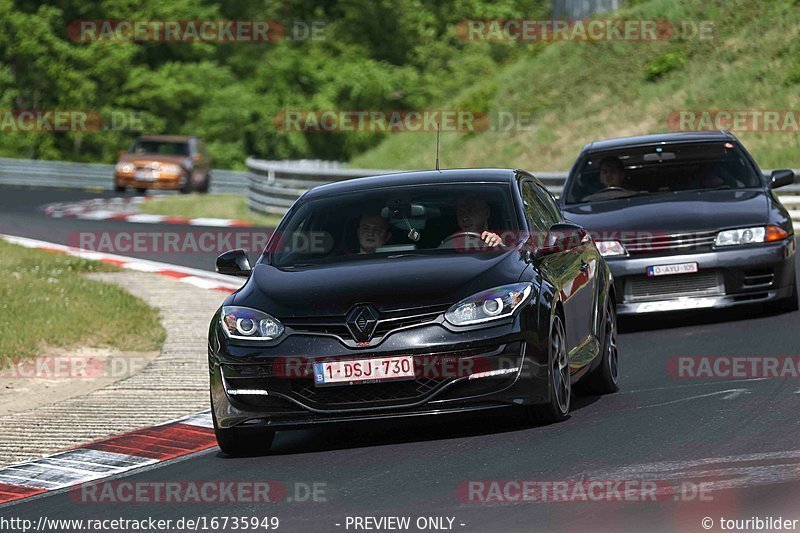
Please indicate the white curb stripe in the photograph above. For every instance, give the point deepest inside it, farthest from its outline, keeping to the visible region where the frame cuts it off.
(202, 419)
(200, 278)
(125, 210)
(85, 464)
(145, 218)
(219, 222)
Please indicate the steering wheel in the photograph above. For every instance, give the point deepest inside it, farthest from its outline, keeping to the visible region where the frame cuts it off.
(457, 235)
(612, 188)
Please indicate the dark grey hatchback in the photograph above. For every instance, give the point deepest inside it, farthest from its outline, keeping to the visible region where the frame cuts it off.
(685, 221)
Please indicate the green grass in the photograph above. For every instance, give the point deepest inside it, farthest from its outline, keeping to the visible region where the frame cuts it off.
(46, 301)
(231, 206)
(577, 92)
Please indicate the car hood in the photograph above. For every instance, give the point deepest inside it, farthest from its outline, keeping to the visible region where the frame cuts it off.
(674, 212)
(387, 284)
(131, 158)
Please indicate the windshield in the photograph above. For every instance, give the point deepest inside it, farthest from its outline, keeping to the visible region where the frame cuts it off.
(660, 169)
(160, 147)
(421, 219)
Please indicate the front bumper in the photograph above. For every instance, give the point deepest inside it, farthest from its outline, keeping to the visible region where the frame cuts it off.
(732, 277)
(270, 387)
(165, 181)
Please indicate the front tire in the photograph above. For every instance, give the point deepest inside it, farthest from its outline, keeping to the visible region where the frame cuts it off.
(557, 409)
(203, 188)
(604, 379)
(188, 185)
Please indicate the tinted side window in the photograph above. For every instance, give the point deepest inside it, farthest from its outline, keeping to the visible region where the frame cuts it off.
(551, 203)
(540, 210)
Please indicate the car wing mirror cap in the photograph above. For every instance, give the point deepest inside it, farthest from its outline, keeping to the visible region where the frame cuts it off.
(562, 238)
(781, 178)
(234, 263)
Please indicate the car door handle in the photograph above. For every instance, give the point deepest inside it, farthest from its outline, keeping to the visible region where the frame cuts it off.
(584, 266)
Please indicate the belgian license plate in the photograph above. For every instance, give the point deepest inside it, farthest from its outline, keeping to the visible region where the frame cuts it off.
(669, 270)
(144, 175)
(364, 370)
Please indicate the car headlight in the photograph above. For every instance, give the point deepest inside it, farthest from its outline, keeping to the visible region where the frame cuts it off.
(733, 237)
(125, 167)
(492, 304)
(608, 248)
(171, 169)
(249, 324)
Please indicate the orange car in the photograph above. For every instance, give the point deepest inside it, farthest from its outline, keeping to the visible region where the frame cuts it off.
(164, 162)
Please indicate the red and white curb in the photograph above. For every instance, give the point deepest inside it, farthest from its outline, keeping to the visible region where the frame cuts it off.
(107, 457)
(127, 210)
(192, 276)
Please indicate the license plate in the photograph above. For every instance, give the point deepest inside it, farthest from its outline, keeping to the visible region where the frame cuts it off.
(144, 175)
(364, 370)
(669, 270)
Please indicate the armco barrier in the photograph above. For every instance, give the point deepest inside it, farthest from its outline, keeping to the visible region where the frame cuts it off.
(32, 172)
(273, 186)
(270, 186)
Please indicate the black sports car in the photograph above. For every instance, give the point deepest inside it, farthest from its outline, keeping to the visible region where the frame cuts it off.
(685, 221)
(417, 293)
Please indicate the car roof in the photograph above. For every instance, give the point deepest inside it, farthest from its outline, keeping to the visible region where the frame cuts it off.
(422, 177)
(658, 138)
(166, 138)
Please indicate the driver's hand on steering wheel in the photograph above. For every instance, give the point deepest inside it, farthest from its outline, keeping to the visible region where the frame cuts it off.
(492, 239)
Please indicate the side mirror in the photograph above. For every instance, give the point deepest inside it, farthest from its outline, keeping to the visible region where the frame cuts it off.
(234, 263)
(780, 178)
(562, 238)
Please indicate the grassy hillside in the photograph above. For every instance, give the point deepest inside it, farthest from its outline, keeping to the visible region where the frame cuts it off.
(582, 91)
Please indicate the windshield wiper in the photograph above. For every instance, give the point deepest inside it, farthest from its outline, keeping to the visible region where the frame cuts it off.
(301, 265)
(720, 188)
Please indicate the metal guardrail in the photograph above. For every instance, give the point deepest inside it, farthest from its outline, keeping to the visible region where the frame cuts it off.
(270, 186)
(273, 186)
(33, 172)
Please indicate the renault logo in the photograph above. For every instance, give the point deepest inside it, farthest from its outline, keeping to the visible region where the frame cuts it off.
(361, 322)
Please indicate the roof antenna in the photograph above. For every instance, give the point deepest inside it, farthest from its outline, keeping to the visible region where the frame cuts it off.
(437, 144)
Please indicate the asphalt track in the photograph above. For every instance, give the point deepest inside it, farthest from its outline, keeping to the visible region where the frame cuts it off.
(740, 435)
(22, 214)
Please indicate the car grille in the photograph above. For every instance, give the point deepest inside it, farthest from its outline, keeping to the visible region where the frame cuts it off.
(655, 242)
(386, 392)
(387, 322)
(645, 288)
